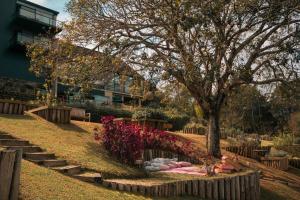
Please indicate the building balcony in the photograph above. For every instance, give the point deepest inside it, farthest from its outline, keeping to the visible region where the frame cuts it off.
(36, 20)
(20, 40)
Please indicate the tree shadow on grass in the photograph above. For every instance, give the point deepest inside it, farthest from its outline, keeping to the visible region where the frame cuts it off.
(267, 194)
(70, 127)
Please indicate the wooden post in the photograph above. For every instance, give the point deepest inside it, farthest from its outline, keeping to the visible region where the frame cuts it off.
(7, 160)
(209, 190)
(233, 188)
(238, 190)
(195, 188)
(14, 189)
(242, 181)
(221, 189)
(227, 189)
(202, 189)
(216, 190)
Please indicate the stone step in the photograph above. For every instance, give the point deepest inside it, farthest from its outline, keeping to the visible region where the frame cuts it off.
(26, 149)
(89, 177)
(6, 136)
(39, 156)
(69, 169)
(14, 142)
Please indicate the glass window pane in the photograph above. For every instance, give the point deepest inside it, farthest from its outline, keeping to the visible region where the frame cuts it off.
(27, 13)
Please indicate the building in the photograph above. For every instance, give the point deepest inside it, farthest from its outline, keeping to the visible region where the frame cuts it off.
(21, 21)
(24, 22)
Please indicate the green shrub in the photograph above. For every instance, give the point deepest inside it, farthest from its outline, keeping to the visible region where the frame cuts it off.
(96, 114)
(149, 113)
(283, 140)
(178, 120)
(233, 132)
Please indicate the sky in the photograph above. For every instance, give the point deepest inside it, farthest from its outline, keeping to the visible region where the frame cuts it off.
(58, 5)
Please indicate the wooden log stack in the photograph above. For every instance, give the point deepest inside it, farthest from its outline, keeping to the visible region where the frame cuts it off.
(10, 169)
(150, 154)
(240, 187)
(14, 107)
(281, 163)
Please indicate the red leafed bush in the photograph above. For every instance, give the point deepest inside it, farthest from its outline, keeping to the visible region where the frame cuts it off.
(127, 141)
(122, 140)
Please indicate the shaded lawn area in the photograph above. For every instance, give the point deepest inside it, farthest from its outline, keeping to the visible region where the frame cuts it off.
(71, 142)
(271, 190)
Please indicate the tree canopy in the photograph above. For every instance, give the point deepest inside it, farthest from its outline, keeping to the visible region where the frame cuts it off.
(210, 46)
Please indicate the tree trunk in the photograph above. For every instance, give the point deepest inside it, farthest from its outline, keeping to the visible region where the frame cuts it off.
(213, 135)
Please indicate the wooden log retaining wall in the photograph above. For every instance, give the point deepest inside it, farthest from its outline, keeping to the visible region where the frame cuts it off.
(294, 163)
(248, 151)
(280, 163)
(14, 107)
(60, 115)
(10, 169)
(150, 154)
(197, 131)
(240, 187)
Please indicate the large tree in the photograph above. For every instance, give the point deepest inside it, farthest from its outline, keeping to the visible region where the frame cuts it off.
(210, 46)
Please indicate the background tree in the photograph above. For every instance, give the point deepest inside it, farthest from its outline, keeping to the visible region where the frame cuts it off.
(247, 109)
(285, 100)
(209, 46)
(58, 60)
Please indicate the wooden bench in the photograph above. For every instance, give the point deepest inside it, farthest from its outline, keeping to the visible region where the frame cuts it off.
(80, 114)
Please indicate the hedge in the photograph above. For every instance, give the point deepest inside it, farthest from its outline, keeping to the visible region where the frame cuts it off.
(96, 114)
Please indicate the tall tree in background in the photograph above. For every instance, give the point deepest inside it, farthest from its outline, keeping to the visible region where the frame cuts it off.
(248, 110)
(285, 100)
(210, 46)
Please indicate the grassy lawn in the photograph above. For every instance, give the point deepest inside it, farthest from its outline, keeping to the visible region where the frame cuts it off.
(44, 184)
(72, 142)
(75, 143)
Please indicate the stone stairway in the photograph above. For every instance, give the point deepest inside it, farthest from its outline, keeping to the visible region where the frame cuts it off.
(39, 156)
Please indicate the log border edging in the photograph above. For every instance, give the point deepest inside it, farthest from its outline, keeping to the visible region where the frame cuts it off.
(238, 187)
(14, 107)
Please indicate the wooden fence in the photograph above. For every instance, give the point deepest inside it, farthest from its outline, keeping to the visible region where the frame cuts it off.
(198, 131)
(294, 163)
(241, 187)
(60, 115)
(14, 107)
(10, 169)
(255, 152)
(281, 163)
(150, 154)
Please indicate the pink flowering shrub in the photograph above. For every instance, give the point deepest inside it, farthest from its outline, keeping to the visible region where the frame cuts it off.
(127, 141)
